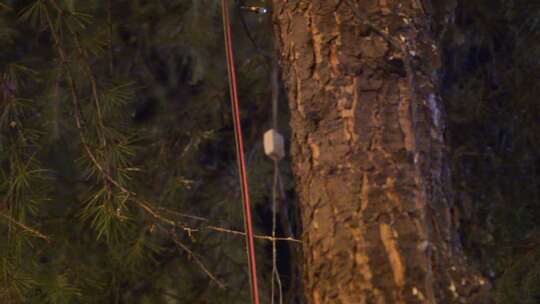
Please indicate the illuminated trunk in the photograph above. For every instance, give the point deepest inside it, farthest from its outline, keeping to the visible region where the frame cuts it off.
(369, 155)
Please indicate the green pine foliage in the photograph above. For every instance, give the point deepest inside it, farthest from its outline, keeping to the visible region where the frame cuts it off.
(116, 151)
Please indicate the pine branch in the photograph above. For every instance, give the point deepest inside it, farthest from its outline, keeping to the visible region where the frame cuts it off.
(26, 228)
(78, 116)
(5, 6)
(93, 83)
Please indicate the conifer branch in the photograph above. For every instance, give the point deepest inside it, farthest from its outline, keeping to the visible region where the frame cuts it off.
(93, 84)
(4, 7)
(108, 178)
(26, 228)
(76, 104)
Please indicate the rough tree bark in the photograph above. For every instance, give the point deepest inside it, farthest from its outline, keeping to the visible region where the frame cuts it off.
(369, 154)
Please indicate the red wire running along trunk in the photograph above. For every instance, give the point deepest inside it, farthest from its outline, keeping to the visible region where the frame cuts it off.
(240, 153)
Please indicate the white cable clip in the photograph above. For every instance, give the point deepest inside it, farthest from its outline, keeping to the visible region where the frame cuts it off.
(274, 146)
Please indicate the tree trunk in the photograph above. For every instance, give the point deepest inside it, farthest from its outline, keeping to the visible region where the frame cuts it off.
(369, 155)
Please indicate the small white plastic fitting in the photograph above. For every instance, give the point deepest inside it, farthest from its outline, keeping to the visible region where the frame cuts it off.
(274, 145)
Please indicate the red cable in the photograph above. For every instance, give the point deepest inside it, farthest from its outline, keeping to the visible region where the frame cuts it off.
(240, 154)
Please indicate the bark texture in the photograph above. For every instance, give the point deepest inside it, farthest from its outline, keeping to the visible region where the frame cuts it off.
(369, 154)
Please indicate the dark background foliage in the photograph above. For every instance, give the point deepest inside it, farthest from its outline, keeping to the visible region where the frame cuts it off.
(491, 92)
(151, 93)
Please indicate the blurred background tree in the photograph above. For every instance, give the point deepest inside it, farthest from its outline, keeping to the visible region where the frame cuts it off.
(491, 92)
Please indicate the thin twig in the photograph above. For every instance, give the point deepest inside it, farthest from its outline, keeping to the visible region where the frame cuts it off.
(93, 84)
(275, 187)
(56, 105)
(275, 272)
(193, 217)
(257, 236)
(195, 258)
(33, 231)
(191, 230)
(155, 214)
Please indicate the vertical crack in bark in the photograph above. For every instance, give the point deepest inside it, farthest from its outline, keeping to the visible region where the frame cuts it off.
(317, 47)
(389, 239)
